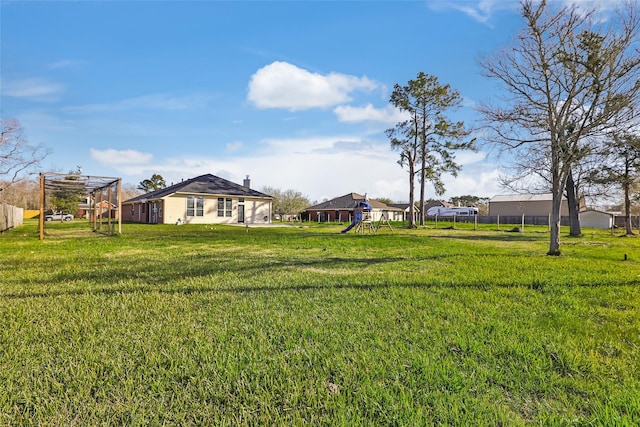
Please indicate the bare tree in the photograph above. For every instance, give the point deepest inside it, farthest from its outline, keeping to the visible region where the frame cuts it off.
(24, 193)
(288, 202)
(129, 191)
(622, 169)
(567, 77)
(17, 157)
(530, 173)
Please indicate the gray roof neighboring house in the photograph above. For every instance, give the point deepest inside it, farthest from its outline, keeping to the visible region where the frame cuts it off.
(403, 206)
(348, 202)
(203, 184)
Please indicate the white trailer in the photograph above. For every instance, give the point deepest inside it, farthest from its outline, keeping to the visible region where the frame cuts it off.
(443, 211)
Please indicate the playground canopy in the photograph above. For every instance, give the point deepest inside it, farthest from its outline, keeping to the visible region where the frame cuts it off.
(97, 188)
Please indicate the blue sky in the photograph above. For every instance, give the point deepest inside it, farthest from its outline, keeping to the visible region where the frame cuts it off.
(294, 94)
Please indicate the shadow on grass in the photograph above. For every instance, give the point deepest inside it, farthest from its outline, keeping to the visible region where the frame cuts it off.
(242, 265)
(368, 287)
(502, 236)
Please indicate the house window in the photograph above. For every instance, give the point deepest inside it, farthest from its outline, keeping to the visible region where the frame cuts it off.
(228, 207)
(195, 206)
(224, 207)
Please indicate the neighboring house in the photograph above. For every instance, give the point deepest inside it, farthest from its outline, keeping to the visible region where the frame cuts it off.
(206, 199)
(88, 206)
(525, 204)
(341, 209)
(404, 216)
(592, 218)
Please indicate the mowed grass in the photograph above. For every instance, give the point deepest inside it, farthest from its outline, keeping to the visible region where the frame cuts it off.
(214, 325)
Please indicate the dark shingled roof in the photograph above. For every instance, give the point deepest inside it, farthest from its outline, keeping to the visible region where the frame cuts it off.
(348, 202)
(203, 184)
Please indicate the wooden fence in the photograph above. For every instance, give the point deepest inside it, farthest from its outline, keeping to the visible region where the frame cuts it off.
(10, 216)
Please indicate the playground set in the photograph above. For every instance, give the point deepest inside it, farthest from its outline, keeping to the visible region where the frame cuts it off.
(363, 220)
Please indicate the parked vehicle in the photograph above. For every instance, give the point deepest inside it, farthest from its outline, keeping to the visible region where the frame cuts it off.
(442, 211)
(58, 216)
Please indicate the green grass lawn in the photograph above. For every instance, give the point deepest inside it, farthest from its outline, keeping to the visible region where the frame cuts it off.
(215, 325)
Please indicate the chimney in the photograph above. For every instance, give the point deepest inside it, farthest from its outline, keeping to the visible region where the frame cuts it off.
(247, 182)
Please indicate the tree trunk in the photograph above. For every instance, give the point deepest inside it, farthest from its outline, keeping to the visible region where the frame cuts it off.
(558, 183)
(412, 175)
(554, 240)
(422, 212)
(627, 201)
(574, 207)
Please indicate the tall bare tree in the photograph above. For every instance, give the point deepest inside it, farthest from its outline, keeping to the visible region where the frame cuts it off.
(567, 77)
(17, 157)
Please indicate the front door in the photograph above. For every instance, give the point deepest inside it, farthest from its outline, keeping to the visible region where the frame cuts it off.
(240, 213)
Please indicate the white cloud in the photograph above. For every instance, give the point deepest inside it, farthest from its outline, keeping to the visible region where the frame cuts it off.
(600, 5)
(304, 145)
(282, 85)
(120, 157)
(65, 63)
(369, 113)
(483, 10)
(35, 88)
(234, 146)
(467, 157)
(159, 101)
(321, 168)
(474, 181)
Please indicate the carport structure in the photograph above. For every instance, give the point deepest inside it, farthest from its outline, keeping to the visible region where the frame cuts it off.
(98, 189)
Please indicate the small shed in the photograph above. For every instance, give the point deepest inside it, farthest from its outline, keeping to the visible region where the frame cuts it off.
(592, 218)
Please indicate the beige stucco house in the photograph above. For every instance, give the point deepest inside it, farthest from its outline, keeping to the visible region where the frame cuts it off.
(205, 199)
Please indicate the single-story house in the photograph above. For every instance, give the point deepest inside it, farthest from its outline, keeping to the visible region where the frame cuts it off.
(592, 218)
(405, 212)
(88, 206)
(525, 204)
(341, 209)
(205, 199)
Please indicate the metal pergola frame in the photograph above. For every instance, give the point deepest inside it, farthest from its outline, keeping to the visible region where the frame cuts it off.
(88, 185)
